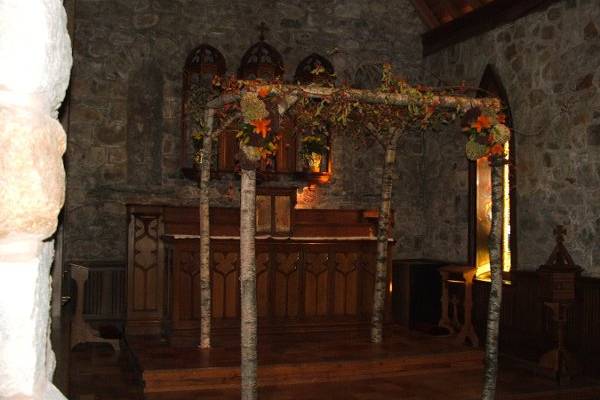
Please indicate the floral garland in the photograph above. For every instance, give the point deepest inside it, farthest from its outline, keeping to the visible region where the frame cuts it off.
(258, 131)
(487, 133)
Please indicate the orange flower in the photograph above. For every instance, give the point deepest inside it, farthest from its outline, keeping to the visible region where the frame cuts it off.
(483, 122)
(264, 91)
(501, 118)
(430, 109)
(261, 126)
(497, 150)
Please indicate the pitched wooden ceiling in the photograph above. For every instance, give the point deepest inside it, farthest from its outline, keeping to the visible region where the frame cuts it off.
(453, 21)
(435, 13)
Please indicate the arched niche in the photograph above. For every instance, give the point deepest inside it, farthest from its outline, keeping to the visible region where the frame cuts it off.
(202, 64)
(145, 125)
(480, 190)
(261, 61)
(305, 75)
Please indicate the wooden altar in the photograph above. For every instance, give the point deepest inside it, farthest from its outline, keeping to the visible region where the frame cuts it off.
(317, 276)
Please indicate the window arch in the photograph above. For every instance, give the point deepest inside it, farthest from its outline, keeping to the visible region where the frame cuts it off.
(304, 72)
(480, 192)
(201, 65)
(261, 61)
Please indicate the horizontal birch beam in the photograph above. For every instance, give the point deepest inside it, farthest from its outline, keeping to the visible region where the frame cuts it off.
(377, 96)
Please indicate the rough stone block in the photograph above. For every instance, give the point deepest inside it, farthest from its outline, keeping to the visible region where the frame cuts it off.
(32, 176)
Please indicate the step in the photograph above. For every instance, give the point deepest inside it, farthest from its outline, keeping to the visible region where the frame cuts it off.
(204, 378)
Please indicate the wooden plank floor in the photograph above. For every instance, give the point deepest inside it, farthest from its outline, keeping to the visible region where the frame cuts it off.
(99, 374)
(295, 359)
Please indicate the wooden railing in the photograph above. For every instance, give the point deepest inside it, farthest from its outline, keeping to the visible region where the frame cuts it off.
(526, 325)
(297, 282)
(320, 271)
(105, 291)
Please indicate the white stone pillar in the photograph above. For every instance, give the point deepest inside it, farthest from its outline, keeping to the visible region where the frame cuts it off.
(36, 60)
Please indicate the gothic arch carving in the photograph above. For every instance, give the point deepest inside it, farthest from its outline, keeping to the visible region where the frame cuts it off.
(304, 72)
(261, 61)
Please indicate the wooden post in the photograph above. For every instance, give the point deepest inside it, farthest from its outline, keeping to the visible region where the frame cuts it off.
(383, 224)
(206, 156)
(249, 359)
(495, 302)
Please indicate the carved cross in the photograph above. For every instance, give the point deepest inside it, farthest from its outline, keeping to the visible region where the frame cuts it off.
(262, 28)
(560, 231)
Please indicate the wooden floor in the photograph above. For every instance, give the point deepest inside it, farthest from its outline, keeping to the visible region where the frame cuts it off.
(296, 359)
(407, 366)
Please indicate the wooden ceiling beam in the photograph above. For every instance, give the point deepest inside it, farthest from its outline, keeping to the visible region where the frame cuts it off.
(451, 7)
(481, 20)
(425, 13)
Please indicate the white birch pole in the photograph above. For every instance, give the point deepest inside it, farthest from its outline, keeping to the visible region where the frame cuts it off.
(383, 224)
(495, 301)
(249, 358)
(205, 291)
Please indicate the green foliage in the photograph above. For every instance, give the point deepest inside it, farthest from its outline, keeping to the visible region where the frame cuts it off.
(313, 143)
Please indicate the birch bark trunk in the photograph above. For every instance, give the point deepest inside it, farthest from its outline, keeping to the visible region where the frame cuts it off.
(205, 309)
(495, 302)
(382, 239)
(248, 278)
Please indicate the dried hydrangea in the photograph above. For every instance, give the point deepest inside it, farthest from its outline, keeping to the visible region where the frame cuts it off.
(501, 133)
(475, 150)
(253, 108)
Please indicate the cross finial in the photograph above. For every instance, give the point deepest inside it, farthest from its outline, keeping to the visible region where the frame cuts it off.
(560, 232)
(262, 28)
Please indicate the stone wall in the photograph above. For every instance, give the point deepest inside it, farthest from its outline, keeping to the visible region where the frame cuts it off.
(445, 194)
(126, 91)
(549, 64)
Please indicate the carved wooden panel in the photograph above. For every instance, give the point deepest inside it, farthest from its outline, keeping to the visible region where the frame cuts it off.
(263, 214)
(145, 263)
(346, 283)
(225, 285)
(262, 284)
(189, 285)
(145, 272)
(228, 151)
(367, 279)
(297, 281)
(287, 284)
(283, 206)
(316, 282)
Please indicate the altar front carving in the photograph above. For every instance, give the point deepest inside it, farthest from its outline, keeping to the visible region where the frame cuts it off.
(318, 277)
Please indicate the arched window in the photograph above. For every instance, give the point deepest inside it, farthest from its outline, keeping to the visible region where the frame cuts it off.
(261, 61)
(480, 193)
(201, 65)
(314, 69)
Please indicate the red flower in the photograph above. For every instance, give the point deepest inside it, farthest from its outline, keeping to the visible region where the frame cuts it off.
(483, 122)
(264, 91)
(501, 118)
(261, 126)
(497, 150)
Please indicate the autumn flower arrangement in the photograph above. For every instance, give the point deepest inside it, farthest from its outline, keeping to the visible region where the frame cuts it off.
(257, 132)
(486, 131)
